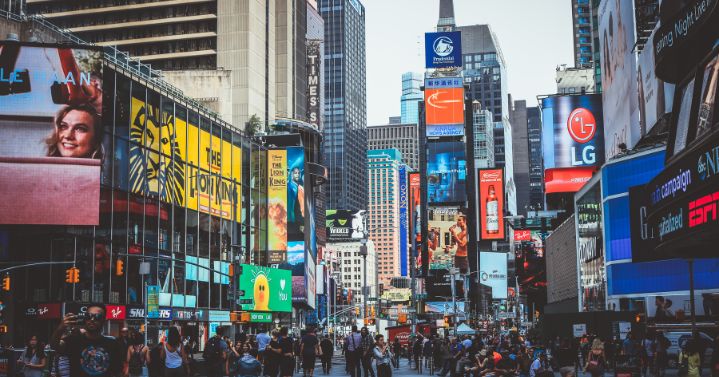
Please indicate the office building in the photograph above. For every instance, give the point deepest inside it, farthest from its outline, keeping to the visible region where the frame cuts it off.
(240, 58)
(350, 267)
(345, 115)
(520, 152)
(536, 167)
(575, 80)
(403, 137)
(394, 120)
(383, 214)
(561, 257)
(411, 96)
(585, 15)
(483, 137)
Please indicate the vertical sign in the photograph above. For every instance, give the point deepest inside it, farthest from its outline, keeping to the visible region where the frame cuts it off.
(416, 214)
(277, 204)
(313, 82)
(153, 301)
(403, 254)
(491, 204)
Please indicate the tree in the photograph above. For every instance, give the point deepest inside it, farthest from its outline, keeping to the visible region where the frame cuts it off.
(253, 125)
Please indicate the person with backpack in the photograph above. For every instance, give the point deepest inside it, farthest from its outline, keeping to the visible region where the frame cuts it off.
(353, 342)
(215, 354)
(327, 353)
(155, 367)
(138, 357)
(174, 356)
(368, 345)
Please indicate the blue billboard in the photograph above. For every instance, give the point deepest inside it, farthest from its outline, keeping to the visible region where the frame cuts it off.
(443, 49)
(403, 220)
(446, 172)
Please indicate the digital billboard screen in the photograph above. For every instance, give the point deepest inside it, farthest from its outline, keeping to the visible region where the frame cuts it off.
(491, 204)
(493, 273)
(403, 220)
(447, 238)
(572, 131)
(443, 49)
(269, 289)
(416, 214)
(444, 106)
(566, 179)
(277, 241)
(446, 172)
(345, 225)
(51, 123)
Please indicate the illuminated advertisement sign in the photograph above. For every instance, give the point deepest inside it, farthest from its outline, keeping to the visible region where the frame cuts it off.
(493, 273)
(590, 249)
(269, 289)
(314, 89)
(447, 238)
(444, 106)
(344, 225)
(491, 204)
(403, 221)
(446, 172)
(522, 235)
(443, 307)
(51, 119)
(567, 179)
(572, 135)
(296, 198)
(443, 49)
(416, 214)
(287, 202)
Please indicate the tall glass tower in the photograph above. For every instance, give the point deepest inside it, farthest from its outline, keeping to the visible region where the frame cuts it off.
(345, 107)
(411, 95)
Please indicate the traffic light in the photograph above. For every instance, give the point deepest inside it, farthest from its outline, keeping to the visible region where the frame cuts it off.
(231, 270)
(72, 275)
(119, 267)
(357, 311)
(6, 283)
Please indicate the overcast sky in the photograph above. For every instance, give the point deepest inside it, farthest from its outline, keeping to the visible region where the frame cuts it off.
(534, 35)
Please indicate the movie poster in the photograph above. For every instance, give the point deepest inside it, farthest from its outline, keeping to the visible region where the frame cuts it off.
(277, 205)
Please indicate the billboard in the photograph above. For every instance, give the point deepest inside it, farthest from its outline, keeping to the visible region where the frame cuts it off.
(446, 172)
(522, 235)
(270, 289)
(491, 204)
(447, 238)
(277, 204)
(314, 89)
(403, 220)
(443, 49)
(590, 249)
(655, 95)
(566, 179)
(572, 132)
(493, 273)
(345, 225)
(52, 130)
(416, 215)
(619, 76)
(296, 203)
(443, 307)
(444, 106)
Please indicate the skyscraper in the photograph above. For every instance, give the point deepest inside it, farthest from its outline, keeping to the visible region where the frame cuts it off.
(520, 152)
(403, 137)
(345, 116)
(536, 167)
(585, 15)
(383, 214)
(483, 137)
(411, 96)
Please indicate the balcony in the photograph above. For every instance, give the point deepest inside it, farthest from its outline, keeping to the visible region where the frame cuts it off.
(142, 23)
(117, 8)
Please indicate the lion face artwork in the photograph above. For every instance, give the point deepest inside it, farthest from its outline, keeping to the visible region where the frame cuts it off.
(156, 165)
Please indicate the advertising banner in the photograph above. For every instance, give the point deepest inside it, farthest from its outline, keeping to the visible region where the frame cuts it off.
(491, 204)
(643, 237)
(444, 106)
(415, 208)
(403, 221)
(572, 132)
(590, 249)
(522, 235)
(447, 238)
(493, 273)
(404, 333)
(51, 122)
(311, 281)
(344, 225)
(397, 294)
(443, 49)
(566, 179)
(446, 172)
(655, 96)
(277, 205)
(443, 307)
(153, 301)
(619, 76)
(115, 312)
(49, 311)
(259, 317)
(270, 289)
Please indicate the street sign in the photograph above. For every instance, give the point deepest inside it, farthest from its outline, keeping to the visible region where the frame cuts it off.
(245, 301)
(371, 299)
(505, 315)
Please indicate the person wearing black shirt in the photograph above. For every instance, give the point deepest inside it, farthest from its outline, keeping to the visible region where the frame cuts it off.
(287, 363)
(309, 349)
(327, 353)
(91, 354)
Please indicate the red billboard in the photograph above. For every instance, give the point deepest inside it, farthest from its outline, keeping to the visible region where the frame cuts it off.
(523, 235)
(567, 179)
(403, 332)
(491, 204)
(115, 312)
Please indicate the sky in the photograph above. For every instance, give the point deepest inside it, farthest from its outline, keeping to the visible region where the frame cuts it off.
(534, 35)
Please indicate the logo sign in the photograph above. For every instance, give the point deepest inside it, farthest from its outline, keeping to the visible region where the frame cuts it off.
(643, 235)
(31, 311)
(579, 329)
(444, 106)
(135, 313)
(183, 315)
(115, 312)
(269, 289)
(165, 314)
(491, 204)
(443, 49)
(493, 273)
(522, 235)
(48, 311)
(219, 316)
(581, 125)
(258, 317)
(314, 61)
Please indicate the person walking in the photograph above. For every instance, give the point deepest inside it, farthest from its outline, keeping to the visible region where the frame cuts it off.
(215, 354)
(273, 356)
(368, 345)
(173, 354)
(417, 351)
(327, 349)
(309, 350)
(287, 362)
(396, 351)
(596, 362)
(382, 357)
(353, 343)
(689, 360)
(247, 365)
(263, 339)
(138, 357)
(33, 359)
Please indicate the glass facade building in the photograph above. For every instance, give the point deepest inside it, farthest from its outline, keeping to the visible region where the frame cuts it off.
(411, 96)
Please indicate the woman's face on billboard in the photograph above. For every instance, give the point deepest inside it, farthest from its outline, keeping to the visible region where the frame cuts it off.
(75, 134)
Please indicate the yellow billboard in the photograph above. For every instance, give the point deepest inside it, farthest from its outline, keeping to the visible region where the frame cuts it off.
(277, 204)
(197, 170)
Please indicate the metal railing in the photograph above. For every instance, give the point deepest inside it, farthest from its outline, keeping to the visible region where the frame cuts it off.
(122, 60)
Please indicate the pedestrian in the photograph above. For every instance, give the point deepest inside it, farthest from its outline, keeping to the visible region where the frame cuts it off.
(455, 352)
(443, 357)
(138, 356)
(287, 357)
(524, 361)
(428, 353)
(155, 366)
(91, 353)
(273, 355)
(714, 361)
(124, 340)
(247, 365)
(173, 354)
(354, 351)
(396, 351)
(233, 358)
(215, 354)
(33, 359)
(689, 359)
(309, 350)
(596, 362)
(326, 356)
(382, 357)
(368, 345)
(263, 339)
(649, 346)
(540, 366)
(660, 353)
(417, 351)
